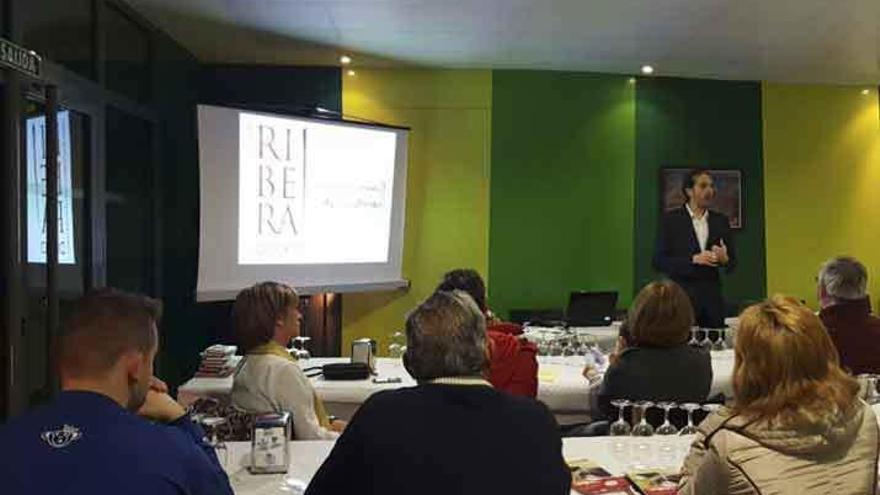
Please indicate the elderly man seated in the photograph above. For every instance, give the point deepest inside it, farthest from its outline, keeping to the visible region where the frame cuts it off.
(453, 433)
(846, 313)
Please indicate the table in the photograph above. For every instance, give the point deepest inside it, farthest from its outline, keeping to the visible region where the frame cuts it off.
(560, 385)
(616, 454)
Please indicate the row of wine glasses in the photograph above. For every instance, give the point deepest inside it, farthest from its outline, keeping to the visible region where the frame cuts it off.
(565, 344)
(299, 351)
(643, 428)
(710, 339)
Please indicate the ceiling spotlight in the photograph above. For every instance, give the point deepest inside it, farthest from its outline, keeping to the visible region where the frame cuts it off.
(866, 92)
(345, 60)
(351, 72)
(647, 70)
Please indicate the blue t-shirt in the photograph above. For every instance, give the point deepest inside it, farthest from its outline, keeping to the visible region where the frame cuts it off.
(86, 443)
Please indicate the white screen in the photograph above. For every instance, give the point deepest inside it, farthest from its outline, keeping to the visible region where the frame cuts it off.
(316, 204)
(36, 191)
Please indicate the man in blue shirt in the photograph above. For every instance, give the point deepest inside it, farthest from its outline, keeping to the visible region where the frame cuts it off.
(113, 427)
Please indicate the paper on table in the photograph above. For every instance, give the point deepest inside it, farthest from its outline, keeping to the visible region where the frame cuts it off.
(547, 375)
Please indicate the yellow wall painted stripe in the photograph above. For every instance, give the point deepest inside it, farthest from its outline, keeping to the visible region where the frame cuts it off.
(447, 207)
(822, 183)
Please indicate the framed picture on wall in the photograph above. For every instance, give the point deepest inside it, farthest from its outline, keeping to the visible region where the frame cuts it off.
(728, 191)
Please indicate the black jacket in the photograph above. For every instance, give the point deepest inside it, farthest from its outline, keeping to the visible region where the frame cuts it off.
(677, 244)
(678, 374)
(446, 439)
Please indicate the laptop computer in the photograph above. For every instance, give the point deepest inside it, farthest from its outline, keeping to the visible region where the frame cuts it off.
(591, 309)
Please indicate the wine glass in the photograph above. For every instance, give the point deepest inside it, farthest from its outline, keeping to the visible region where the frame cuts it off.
(643, 429)
(620, 427)
(706, 343)
(694, 342)
(721, 341)
(667, 428)
(711, 408)
(212, 425)
(690, 429)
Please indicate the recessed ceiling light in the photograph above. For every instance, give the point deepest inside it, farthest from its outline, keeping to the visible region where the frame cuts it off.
(345, 60)
(866, 92)
(647, 70)
(351, 72)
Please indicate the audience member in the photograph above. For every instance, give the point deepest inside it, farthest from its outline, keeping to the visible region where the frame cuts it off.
(269, 380)
(797, 424)
(93, 438)
(655, 362)
(513, 365)
(453, 433)
(846, 313)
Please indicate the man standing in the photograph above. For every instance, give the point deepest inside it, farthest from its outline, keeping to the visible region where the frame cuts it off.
(94, 437)
(846, 313)
(692, 244)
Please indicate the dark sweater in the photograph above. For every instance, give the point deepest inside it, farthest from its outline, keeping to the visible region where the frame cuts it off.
(856, 334)
(678, 374)
(446, 439)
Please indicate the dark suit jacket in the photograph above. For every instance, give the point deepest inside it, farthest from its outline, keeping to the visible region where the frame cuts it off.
(444, 440)
(677, 244)
(678, 374)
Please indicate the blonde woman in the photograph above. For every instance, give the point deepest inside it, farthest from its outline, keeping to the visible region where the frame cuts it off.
(797, 425)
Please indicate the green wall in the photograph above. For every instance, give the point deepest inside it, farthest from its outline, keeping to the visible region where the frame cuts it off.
(447, 197)
(822, 148)
(561, 214)
(701, 123)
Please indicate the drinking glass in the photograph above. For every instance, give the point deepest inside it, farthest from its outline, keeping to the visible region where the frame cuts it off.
(667, 428)
(694, 342)
(620, 427)
(212, 425)
(721, 342)
(690, 429)
(706, 343)
(643, 429)
(397, 342)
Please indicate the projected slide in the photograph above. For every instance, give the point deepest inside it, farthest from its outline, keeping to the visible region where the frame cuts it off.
(36, 191)
(317, 203)
(313, 193)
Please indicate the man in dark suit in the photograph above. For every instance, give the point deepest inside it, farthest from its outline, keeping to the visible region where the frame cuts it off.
(693, 243)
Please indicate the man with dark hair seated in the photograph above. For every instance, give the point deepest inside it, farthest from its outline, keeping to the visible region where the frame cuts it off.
(513, 365)
(94, 437)
(451, 434)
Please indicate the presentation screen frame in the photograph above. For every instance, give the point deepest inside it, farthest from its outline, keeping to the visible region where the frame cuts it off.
(220, 276)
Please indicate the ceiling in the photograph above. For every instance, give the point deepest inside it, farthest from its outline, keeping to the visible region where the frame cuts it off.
(816, 41)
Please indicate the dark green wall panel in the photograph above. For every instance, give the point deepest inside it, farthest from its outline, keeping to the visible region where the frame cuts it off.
(701, 123)
(561, 212)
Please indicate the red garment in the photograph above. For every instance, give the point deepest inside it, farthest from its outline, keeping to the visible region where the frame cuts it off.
(856, 334)
(513, 366)
(504, 327)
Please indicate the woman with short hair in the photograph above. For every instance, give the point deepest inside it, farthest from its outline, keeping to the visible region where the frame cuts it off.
(654, 362)
(797, 424)
(266, 317)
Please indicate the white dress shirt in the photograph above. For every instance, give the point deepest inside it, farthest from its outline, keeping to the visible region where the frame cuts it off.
(701, 226)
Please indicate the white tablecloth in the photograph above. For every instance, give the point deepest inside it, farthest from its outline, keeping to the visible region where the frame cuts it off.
(616, 454)
(560, 385)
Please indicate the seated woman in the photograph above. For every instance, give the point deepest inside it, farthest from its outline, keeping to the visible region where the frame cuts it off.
(797, 424)
(269, 380)
(653, 361)
(513, 365)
